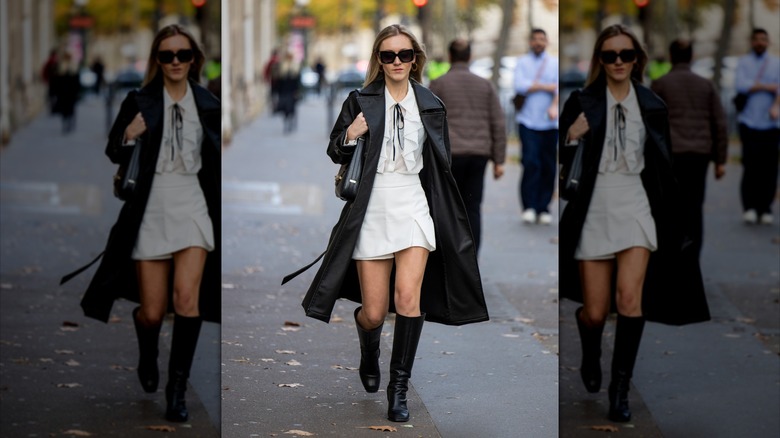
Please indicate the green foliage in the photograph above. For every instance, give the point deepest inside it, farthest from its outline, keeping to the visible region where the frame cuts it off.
(117, 16)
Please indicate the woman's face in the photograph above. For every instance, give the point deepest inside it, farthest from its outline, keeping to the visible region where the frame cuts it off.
(396, 71)
(618, 68)
(175, 69)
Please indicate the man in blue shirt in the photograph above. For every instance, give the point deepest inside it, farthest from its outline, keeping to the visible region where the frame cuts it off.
(536, 77)
(758, 74)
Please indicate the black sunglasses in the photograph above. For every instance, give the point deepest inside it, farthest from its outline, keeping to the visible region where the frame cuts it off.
(388, 56)
(611, 56)
(166, 56)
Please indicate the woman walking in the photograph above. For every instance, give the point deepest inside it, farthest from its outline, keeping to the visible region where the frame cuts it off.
(404, 244)
(167, 233)
(621, 246)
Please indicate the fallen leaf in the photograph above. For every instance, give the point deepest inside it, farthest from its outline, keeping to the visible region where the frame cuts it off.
(732, 335)
(447, 353)
(72, 363)
(510, 335)
(298, 432)
(162, 428)
(228, 286)
(76, 432)
(341, 367)
(121, 368)
(46, 360)
(605, 428)
(69, 329)
(383, 428)
(746, 320)
(68, 385)
(292, 324)
(64, 351)
(290, 385)
(21, 360)
(293, 363)
(242, 360)
(285, 352)
(70, 324)
(290, 329)
(336, 319)
(115, 320)
(267, 360)
(525, 320)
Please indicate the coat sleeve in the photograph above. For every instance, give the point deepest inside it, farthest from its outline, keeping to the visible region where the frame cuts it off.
(571, 110)
(337, 152)
(114, 150)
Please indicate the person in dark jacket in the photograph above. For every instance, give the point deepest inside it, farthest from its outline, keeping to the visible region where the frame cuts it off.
(477, 129)
(407, 218)
(287, 78)
(620, 240)
(167, 232)
(67, 87)
(698, 131)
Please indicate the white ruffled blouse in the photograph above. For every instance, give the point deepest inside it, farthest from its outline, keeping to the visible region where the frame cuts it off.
(625, 137)
(404, 135)
(182, 136)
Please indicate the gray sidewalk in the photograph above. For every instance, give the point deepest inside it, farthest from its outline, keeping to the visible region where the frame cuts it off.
(493, 379)
(61, 371)
(715, 379)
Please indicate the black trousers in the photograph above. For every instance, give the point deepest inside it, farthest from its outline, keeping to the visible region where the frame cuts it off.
(691, 173)
(759, 168)
(469, 173)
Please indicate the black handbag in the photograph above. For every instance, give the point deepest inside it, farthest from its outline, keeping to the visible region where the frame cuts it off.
(348, 176)
(570, 178)
(518, 101)
(740, 100)
(126, 176)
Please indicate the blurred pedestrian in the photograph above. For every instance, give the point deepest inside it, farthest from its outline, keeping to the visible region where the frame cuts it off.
(620, 234)
(67, 88)
(48, 74)
(698, 131)
(320, 68)
(287, 79)
(269, 73)
(758, 76)
(403, 220)
(476, 127)
(167, 233)
(98, 68)
(536, 77)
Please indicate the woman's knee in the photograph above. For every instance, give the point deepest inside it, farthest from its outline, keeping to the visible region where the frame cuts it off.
(629, 302)
(372, 317)
(151, 316)
(407, 301)
(185, 301)
(594, 316)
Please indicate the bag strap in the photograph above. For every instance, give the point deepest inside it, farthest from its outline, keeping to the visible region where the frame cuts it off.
(78, 271)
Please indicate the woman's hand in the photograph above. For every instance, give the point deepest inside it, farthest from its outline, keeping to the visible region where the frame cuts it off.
(357, 128)
(579, 128)
(135, 128)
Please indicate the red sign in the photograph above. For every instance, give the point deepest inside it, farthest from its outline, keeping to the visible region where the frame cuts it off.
(81, 22)
(303, 21)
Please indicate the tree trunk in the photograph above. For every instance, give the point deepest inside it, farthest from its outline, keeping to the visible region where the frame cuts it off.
(508, 6)
(729, 12)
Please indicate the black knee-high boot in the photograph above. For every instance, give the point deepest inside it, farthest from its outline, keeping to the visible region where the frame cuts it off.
(590, 367)
(148, 373)
(628, 333)
(370, 375)
(405, 339)
(185, 338)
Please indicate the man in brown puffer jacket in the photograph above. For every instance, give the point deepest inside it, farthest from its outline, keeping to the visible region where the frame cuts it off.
(699, 133)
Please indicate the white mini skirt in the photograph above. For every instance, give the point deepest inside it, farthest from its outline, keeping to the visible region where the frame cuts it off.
(397, 217)
(618, 218)
(176, 218)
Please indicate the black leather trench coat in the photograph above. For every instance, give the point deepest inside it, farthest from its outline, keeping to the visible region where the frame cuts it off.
(452, 287)
(673, 291)
(116, 275)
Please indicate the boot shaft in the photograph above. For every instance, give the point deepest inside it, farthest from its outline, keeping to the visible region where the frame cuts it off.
(628, 334)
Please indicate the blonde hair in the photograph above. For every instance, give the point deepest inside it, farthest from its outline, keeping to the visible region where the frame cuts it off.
(597, 70)
(153, 70)
(375, 68)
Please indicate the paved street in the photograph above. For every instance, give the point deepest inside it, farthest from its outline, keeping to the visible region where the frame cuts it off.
(493, 379)
(715, 379)
(61, 371)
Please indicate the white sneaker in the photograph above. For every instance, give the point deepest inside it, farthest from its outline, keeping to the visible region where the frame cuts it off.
(767, 219)
(750, 217)
(529, 216)
(545, 218)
